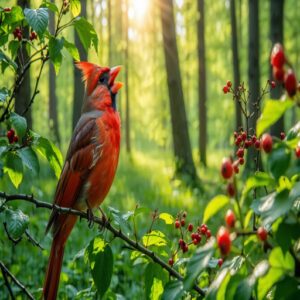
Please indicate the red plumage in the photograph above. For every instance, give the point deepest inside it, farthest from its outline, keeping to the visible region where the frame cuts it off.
(90, 165)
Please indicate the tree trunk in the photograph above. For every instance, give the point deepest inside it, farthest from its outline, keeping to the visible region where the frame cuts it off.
(253, 75)
(23, 94)
(181, 142)
(53, 117)
(236, 62)
(202, 83)
(127, 104)
(78, 85)
(276, 36)
(109, 32)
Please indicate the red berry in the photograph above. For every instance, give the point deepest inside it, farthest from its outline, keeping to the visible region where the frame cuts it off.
(282, 135)
(248, 143)
(190, 227)
(185, 248)
(208, 234)
(230, 218)
(229, 84)
(16, 139)
(278, 74)
(181, 242)
(254, 139)
(241, 161)
(171, 262)
(273, 84)
(240, 152)
(290, 83)
(244, 135)
(225, 89)
(297, 150)
(7, 9)
(277, 56)
(184, 214)
(230, 189)
(182, 222)
(223, 240)
(236, 167)
(177, 224)
(262, 233)
(10, 133)
(195, 242)
(33, 36)
(267, 142)
(257, 144)
(203, 229)
(226, 168)
(220, 262)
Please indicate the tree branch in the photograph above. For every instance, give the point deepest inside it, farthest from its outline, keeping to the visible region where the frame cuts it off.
(117, 232)
(6, 273)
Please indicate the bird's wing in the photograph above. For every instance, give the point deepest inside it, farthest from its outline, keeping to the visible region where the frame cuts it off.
(83, 153)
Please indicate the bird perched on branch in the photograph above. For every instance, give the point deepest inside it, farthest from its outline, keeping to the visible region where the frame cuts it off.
(90, 165)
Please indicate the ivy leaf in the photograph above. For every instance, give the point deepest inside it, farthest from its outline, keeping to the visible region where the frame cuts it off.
(49, 151)
(75, 6)
(16, 222)
(173, 290)
(100, 258)
(154, 238)
(86, 33)
(55, 46)
(198, 262)
(272, 111)
(214, 205)
(71, 48)
(167, 218)
(37, 19)
(19, 123)
(29, 159)
(14, 168)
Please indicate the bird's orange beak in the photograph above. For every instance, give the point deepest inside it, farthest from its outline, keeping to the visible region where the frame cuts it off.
(114, 86)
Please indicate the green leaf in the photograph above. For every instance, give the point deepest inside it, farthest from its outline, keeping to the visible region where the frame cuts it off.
(101, 263)
(14, 168)
(286, 234)
(72, 50)
(222, 276)
(260, 179)
(156, 290)
(16, 221)
(29, 159)
(154, 271)
(86, 33)
(13, 47)
(4, 93)
(214, 205)
(49, 151)
(167, 218)
(287, 289)
(120, 219)
(50, 6)
(19, 123)
(37, 19)
(55, 47)
(154, 238)
(75, 6)
(198, 262)
(15, 16)
(279, 160)
(173, 290)
(293, 132)
(272, 111)
(279, 260)
(9, 62)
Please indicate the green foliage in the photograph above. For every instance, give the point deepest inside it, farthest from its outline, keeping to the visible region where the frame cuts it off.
(215, 205)
(16, 222)
(37, 19)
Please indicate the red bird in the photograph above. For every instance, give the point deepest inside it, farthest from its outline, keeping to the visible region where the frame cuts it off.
(90, 164)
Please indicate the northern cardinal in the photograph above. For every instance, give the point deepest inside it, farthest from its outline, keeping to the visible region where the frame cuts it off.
(90, 164)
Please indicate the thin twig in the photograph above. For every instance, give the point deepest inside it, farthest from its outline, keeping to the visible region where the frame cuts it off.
(117, 232)
(7, 282)
(16, 281)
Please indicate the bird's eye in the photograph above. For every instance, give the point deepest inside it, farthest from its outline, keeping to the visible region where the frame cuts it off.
(103, 78)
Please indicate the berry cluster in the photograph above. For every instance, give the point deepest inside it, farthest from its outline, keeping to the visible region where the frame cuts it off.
(7, 9)
(278, 59)
(12, 137)
(18, 33)
(188, 235)
(33, 36)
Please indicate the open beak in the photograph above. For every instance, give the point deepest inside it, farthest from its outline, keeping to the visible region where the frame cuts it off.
(114, 85)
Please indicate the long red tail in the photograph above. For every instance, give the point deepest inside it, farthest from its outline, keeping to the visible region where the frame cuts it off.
(56, 258)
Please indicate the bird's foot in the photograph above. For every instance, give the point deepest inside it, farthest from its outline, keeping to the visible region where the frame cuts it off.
(103, 218)
(90, 217)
